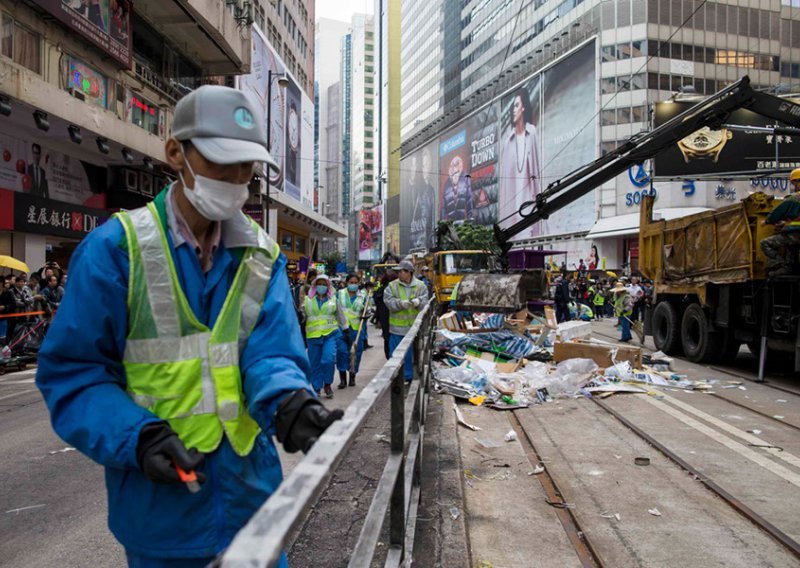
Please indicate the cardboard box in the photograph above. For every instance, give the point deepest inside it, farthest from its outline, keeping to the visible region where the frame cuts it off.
(600, 354)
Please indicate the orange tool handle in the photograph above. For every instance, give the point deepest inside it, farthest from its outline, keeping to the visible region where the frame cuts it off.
(189, 478)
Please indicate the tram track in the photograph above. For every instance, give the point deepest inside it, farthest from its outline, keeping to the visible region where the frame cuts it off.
(584, 549)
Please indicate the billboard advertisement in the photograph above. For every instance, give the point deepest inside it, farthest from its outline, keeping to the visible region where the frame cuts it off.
(419, 198)
(504, 154)
(34, 169)
(294, 140)
(370, 227)
(255, 85)
(308, 194)
(724, 152)
(105, 23)
(569, 133)
(520, 168)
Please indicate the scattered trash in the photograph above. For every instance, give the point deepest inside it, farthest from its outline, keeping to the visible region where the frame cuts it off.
(742, 388)
(382, 438)
(655, 512)
(28, 508)
(594, 472)
(607, 515)
(454, 513)
(460, 418)
(781, 400)
(778, 417)
(62, 451)
(477, 400)
(560, 504)
(510, 436)
(754, 431)
(641, 461)
(537, 470)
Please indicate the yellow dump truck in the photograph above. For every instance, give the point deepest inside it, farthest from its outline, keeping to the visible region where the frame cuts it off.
(448, 267)
(711, 292)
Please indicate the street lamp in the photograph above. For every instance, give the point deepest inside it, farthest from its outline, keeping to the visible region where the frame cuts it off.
(283, 82)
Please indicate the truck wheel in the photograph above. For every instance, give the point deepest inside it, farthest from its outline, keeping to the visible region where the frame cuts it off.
(666, 328)
(699, 342)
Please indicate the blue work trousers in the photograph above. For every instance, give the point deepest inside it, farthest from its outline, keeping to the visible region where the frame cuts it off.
(343, 345)
(626, 328)
(408, 360)
(138, 561)
(322, 358)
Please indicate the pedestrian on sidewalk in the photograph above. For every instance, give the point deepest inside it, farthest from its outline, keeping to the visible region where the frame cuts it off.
(352, 302)
(404, 298)
(177, 346)
(324, 320)
(623, 308)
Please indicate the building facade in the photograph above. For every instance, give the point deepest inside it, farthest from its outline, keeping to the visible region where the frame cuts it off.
(362, 108)
(289, 27)
(86, 98)
(646, 52)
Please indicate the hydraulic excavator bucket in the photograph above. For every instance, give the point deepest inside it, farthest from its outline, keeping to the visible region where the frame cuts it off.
(500, 293)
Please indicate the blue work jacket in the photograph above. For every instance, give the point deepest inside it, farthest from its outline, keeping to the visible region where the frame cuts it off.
(83, 382)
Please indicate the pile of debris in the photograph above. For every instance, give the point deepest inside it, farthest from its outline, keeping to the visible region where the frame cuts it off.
(513, 362)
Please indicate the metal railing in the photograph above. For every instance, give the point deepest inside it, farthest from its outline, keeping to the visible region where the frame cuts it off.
(262, 540)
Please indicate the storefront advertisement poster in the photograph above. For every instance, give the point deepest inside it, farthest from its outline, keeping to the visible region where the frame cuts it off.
(370, 227)
(90, 83)
(419, 175)
(33, 168)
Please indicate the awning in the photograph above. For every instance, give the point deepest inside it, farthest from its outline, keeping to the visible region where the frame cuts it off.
(622, 225)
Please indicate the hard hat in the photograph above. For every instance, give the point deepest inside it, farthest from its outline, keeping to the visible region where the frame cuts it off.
(795, 175)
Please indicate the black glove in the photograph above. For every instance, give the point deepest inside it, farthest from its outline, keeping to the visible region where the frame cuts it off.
(301, 419)
(159, 448)
(346, 334)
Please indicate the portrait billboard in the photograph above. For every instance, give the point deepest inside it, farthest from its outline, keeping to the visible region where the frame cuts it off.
(419, 179)
(105, 23)
(519, 180)
(370, 227)
(569, 133)
(725, 152)
(255, 85)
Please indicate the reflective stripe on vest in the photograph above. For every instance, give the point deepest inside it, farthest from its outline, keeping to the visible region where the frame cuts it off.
(320, 320)
(352, 309)
(406, 317)
(176, 367)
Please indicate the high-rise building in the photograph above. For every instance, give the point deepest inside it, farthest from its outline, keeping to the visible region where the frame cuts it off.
(289, 27)
(346, 86)
(329, 34)
(387, 120)
(362, 144)
(645, 52)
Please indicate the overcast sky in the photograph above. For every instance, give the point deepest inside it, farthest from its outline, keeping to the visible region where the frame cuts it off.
(342, 9)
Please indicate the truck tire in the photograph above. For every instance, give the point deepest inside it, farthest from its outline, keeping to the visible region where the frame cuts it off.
(700, 344)
(666, 328)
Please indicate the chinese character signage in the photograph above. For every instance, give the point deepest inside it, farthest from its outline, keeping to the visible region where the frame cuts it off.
(44, 216)
(725, 152)
(106, 23)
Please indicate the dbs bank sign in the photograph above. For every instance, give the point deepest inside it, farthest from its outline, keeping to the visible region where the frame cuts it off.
(46, 216)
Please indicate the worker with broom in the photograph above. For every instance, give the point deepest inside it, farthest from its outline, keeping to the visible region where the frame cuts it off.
(350, 346)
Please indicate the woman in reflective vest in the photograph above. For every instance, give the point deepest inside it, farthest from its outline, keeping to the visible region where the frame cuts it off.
(598, 300)
(351, 301)
(324, 318)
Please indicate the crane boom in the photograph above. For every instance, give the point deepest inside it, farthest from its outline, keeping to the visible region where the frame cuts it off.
(712, 112)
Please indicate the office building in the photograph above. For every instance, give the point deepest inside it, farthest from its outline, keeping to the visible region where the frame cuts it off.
(289, 27)
(646, 52)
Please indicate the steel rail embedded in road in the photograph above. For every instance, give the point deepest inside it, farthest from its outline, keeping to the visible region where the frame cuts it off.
(260, 543)
(586, 552)
(729, 498)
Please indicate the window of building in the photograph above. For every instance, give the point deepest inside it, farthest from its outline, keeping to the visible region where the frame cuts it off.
(639, 114)
(608, 117)
(143, 113)
(20, 45)
(624, 115)
(299, 244)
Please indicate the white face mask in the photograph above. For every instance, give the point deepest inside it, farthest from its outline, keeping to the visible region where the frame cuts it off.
(214, 199)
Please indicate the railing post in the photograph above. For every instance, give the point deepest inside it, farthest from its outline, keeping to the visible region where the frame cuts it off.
(397, 513)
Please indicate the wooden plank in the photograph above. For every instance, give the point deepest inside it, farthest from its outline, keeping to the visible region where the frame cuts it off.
(600, 354)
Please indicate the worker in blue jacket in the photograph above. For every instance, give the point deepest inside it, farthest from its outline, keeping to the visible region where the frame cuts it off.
(177, 344)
